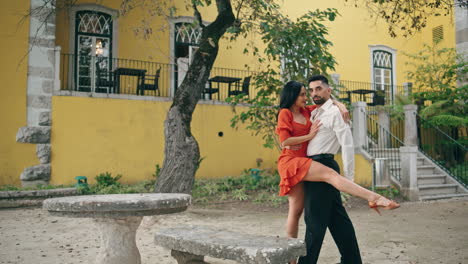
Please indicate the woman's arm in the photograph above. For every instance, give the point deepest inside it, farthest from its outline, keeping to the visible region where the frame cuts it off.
(301, 139)
(344, 111)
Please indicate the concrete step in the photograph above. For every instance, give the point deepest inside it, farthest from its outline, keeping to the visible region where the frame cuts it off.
(442, 196)
(437, 189)
(432, 179)
(426, 170)
(383, 150)
(421, 161)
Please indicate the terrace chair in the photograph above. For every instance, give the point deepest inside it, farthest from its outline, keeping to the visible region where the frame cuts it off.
(151, 83)
(245, 88)
(210, 90)
(104, 81)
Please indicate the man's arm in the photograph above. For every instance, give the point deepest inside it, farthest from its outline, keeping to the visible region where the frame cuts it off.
(345, 138)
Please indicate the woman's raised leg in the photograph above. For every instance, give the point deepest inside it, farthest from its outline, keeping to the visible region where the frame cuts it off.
(321, 173)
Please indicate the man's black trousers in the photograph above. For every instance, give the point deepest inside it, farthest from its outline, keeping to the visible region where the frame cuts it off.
(323, 208)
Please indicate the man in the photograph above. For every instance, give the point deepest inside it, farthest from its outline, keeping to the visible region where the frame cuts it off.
(322, 202)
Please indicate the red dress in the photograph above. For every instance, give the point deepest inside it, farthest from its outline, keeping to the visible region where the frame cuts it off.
(293, 165)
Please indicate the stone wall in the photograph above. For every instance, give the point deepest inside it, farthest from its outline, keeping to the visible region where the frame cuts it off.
(40, 85)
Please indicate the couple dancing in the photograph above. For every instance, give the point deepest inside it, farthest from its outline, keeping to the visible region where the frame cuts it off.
(310, 136)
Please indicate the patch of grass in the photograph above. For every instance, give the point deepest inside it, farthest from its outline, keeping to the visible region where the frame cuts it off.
(390, 193)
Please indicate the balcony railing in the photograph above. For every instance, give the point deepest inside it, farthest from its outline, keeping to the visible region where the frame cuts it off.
(135, 77)
(94, 74)
(370, 93)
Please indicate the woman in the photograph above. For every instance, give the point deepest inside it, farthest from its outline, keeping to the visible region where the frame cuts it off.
(294, 127)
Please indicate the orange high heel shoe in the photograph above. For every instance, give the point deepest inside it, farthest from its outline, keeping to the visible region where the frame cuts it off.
(389, 206)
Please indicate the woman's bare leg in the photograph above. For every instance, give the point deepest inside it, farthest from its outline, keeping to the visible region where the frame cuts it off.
(321, 173)
(296, 206)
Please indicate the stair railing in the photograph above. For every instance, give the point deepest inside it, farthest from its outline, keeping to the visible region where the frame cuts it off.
(443, 150)
(381, 143)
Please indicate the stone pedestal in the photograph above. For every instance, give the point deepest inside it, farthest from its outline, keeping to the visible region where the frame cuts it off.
(118, 217)
(409, 172)
(359, 124)
(411, 127)
(118, 241)
(384, 129)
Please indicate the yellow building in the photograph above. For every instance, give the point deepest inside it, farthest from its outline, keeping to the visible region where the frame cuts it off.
(71, 87)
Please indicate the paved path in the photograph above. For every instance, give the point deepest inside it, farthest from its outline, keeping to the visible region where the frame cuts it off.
(430, 232)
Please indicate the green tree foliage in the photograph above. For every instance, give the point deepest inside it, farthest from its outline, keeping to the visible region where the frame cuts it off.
(436, 72)
(441, 91)
(299, 49)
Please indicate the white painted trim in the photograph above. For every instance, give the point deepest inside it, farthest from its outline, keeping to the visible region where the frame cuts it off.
(172, 21)
(391, 50)
(57, 68)
(94, 7)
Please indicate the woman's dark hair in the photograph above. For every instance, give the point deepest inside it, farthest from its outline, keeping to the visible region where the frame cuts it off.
(289, 94)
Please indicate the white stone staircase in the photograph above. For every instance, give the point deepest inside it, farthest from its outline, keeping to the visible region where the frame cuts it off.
(433, 182)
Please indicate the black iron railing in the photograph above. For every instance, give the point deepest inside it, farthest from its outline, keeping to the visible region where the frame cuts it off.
(226, 82)
(381, 143)
(443, 149)
(370, 93)
(135, 77)
(121, 76)
(397, 124)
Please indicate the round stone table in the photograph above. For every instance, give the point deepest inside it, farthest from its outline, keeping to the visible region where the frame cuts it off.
(118, 217)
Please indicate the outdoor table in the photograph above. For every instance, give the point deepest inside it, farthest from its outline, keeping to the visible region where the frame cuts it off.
(118, 217)
(362, 92)
(223, 79)
(139, 73)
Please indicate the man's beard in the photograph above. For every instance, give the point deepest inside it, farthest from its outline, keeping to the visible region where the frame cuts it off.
(319, 100)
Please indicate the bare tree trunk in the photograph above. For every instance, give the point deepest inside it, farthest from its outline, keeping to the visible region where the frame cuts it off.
(181, 153)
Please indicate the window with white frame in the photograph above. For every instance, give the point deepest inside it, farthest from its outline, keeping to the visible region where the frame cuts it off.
(383, 70)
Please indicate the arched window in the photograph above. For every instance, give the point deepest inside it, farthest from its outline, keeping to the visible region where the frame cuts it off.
(93, 49)
(383, 70)
(187, 39)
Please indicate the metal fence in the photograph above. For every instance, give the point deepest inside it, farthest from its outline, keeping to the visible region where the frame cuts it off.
(125, 76)
(381, 143)
(441, 148)
(352, 91)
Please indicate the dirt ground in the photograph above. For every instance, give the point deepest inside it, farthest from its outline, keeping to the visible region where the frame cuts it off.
(429, 232)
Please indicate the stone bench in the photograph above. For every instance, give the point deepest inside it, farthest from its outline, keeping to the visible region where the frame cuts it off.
(189, 245)
(118, 217)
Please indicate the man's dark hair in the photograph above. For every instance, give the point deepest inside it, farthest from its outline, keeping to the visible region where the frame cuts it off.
(318, 78)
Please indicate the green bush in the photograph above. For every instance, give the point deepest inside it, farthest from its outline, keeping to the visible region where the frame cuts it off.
(260, 188)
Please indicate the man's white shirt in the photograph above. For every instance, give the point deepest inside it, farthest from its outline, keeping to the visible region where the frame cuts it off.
(333, 133)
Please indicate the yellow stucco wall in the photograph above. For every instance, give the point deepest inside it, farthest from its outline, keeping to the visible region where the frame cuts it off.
(91, 135)
(14, 157)
(353, 31)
